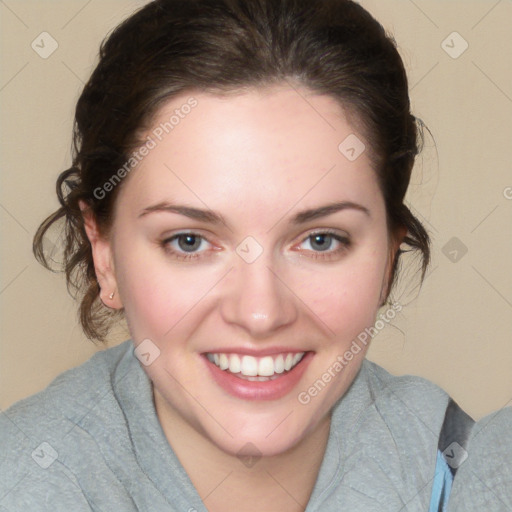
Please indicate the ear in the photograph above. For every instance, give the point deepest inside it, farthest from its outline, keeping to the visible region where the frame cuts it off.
(395, 241)
(103, 259)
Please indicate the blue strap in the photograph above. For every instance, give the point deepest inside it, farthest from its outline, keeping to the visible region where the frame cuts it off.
(443, 480)
(451, 453)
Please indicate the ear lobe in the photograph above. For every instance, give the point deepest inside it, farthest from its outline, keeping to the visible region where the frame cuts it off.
(103, 260)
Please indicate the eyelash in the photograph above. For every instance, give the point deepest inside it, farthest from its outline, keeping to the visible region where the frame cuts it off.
(184, 256)
(344, 241)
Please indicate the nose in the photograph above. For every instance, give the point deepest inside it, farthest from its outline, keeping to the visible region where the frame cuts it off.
(257, 300)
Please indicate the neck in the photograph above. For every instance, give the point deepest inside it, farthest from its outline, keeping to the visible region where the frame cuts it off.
(228, 482)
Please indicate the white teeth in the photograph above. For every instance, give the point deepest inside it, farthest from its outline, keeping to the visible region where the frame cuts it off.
(249, 366)
(223, 362)
(279, 364)
(260, 379)
(257, 369)
(234, 364)
(266, 366)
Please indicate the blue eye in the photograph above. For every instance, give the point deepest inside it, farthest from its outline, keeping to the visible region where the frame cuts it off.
(189, 242)
(185, 245)
(321, 241)
(325, 244)
(189, 245)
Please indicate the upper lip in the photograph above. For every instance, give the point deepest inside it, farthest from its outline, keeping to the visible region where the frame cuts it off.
(255, 352)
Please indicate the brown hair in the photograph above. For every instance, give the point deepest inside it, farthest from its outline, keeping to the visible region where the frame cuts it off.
(170, 47)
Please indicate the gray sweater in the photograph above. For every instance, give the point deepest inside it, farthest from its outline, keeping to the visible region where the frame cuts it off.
(92, 441)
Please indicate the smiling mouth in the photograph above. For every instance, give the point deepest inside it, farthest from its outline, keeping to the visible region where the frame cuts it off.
(259, 369)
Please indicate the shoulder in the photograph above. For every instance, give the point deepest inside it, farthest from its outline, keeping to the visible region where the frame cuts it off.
(405, 395)
(388, 446)
(407, 412)
(33, 430)
(408, 409)
(411, 410)
(484, 477)
(67, 393)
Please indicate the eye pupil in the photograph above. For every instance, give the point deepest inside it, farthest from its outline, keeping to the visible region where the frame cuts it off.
(189, 243)
(321, 242)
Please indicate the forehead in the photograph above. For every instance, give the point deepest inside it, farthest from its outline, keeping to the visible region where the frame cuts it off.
(261, 148)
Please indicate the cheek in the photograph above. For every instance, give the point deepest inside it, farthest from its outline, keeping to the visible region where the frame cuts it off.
(347, 299)
(156, 297)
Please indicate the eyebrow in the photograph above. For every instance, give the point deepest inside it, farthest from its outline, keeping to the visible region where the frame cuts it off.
(212, 217)
(324, 211)
(187, 211)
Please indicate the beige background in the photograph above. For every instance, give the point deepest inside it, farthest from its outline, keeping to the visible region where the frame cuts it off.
(457, 332)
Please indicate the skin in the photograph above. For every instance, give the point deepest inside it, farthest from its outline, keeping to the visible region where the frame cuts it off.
(257, 159)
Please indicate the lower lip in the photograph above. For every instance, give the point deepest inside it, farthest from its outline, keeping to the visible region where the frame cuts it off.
(256, 390)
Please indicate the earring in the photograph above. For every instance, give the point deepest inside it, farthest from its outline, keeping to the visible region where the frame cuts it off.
(111, 296)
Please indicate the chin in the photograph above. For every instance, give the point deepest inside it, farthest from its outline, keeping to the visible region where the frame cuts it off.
(260, 437)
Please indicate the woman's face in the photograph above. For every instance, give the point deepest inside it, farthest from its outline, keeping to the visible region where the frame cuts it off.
(244, 235)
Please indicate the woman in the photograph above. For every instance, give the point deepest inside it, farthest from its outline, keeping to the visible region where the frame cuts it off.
(237, 193)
